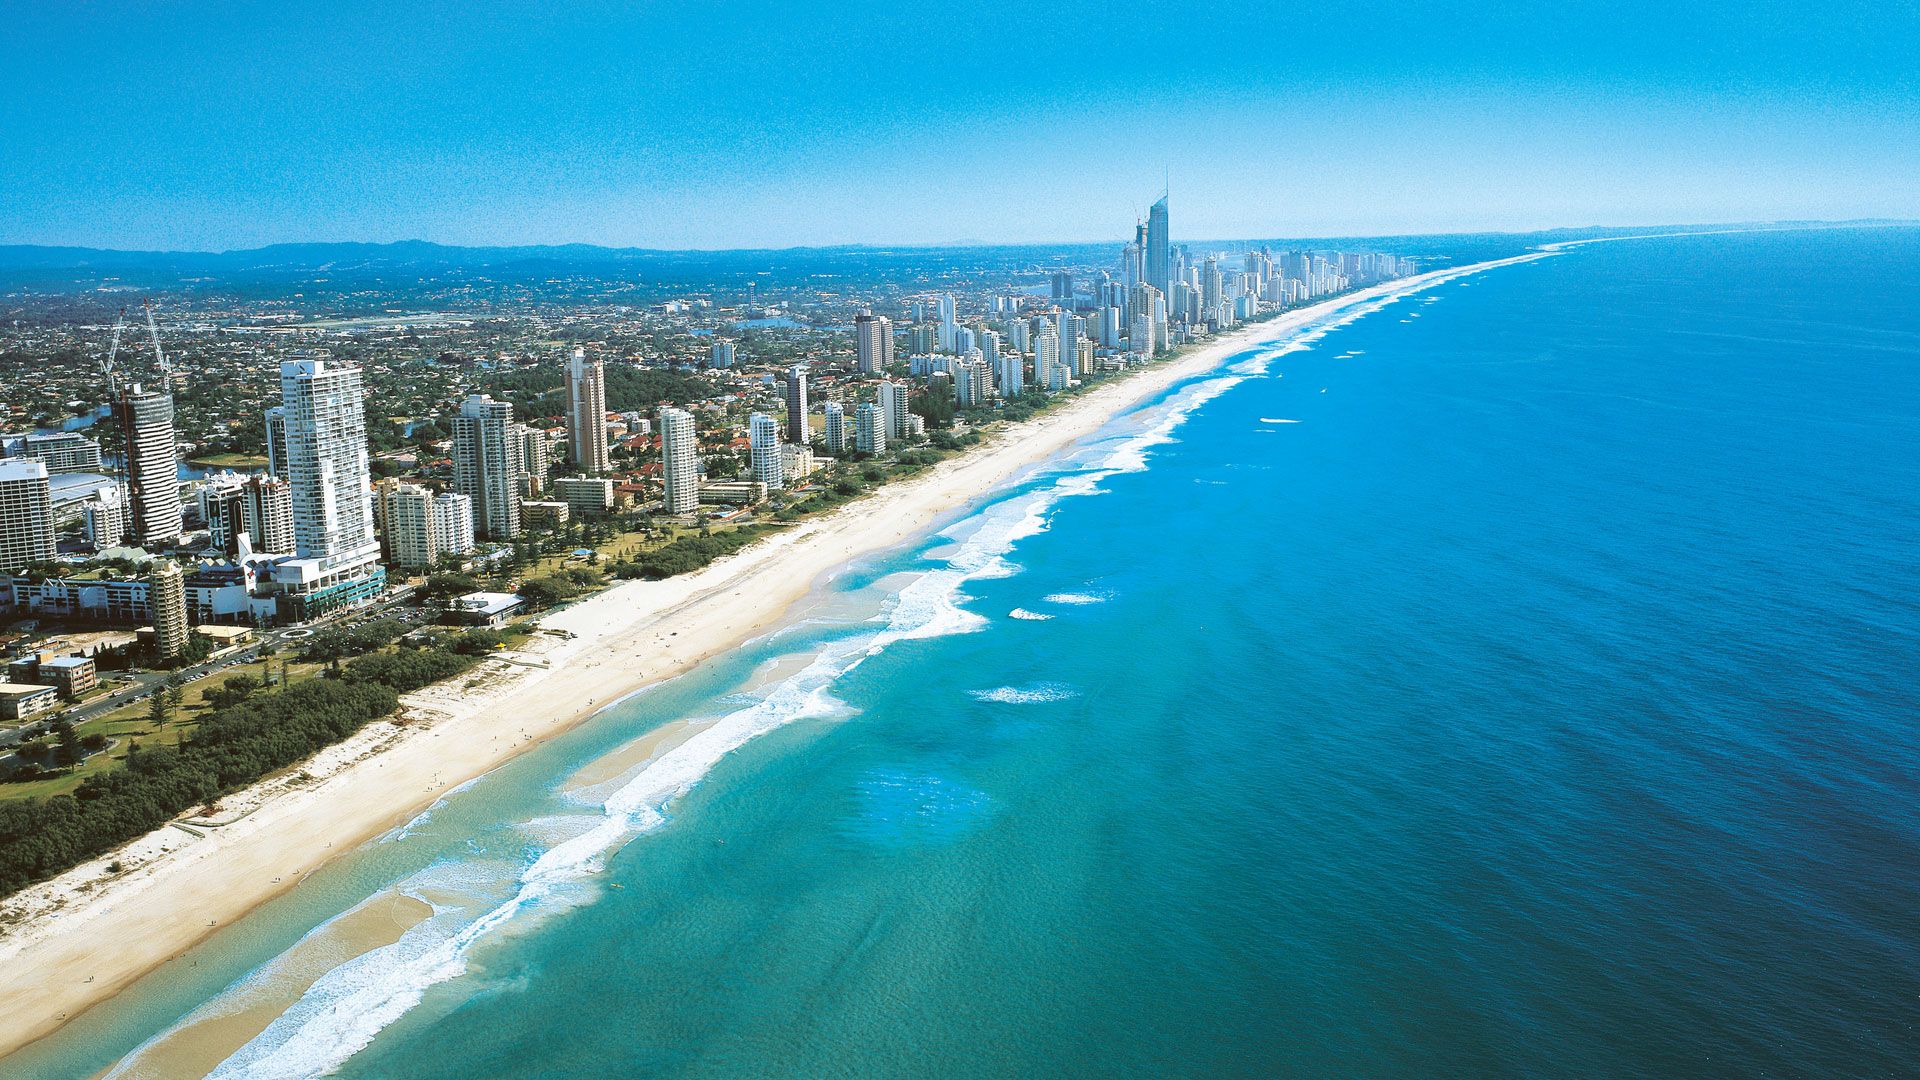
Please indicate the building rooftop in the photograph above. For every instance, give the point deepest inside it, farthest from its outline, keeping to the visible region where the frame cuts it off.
(14, 689)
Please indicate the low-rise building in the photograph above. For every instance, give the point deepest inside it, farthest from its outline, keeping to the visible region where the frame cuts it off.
(71, 675)
(537, 512)
(585, 494)
(487, 609)
(24, 701)
(732, 492)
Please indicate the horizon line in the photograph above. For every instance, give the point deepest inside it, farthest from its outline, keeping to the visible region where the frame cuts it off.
(946, 244)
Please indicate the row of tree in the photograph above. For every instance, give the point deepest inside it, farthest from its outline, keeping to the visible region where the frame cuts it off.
(255, 733)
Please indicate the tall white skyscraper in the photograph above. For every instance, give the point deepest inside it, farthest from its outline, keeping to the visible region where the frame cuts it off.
(587, 413)
(489, 464)
(796, 394)
(873, 341)
(153, 465)
(679, 461)
(337, 553)
(1072, 329)
(892, 399)
(26, 515)
(763, 442)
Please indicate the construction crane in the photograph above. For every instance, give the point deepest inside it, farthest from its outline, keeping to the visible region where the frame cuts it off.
(113, 353)
(159, 354)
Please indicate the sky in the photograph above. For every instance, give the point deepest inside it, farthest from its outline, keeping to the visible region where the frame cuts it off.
(211, 126)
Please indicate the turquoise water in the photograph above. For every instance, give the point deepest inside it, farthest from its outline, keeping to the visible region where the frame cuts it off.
(1541, 702)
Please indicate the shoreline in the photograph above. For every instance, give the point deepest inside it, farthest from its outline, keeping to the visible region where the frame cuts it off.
(187, 883)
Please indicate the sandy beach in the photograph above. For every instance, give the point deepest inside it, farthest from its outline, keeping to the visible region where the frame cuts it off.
(70, 943)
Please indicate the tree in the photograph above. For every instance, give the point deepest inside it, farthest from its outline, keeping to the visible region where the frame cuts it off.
(157, 711)
(69, 741)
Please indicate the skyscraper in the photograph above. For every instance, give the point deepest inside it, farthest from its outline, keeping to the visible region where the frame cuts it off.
(337, 554)
(1159, 264)
(489, 464)
(873, 340)
(26, 515)
(763, 443)
(722, 354)
(153, 465)
(679, 461)
(587, 412)
(796, 391)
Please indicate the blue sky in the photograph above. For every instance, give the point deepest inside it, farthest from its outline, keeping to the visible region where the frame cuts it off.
(210, 126)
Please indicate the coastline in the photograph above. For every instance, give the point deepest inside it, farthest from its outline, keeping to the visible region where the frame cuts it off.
(184, 886)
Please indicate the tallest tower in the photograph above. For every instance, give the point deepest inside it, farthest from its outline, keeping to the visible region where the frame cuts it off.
(1159, 267)
(587, 412)
(153, 465)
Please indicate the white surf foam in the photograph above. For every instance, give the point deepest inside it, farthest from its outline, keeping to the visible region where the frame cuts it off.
(1075, 599)
(1027, 695)
(1029, 616)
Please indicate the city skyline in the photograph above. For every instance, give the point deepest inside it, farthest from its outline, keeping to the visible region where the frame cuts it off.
(133, 128)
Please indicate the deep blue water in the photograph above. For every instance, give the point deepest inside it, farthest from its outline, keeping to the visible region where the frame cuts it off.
(1541, 703)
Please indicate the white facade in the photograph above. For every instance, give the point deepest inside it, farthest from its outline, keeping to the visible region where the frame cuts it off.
(836, 428)
(873, 342)
(679, 461)
(328, 477)
(763, 442)
(26, 515)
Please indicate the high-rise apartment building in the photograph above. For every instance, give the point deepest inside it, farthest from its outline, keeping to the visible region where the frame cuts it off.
(722, 354)
(153, 465)
(892, 399)
(424, 527)
(796, 395)
(679, 461)
(489, 464)
(337, 554)
(837, 441)
(763, 443)
(26, 515)
(267, 514)
(167, 595)
(587, 413)
(870, 430)
(873, 341)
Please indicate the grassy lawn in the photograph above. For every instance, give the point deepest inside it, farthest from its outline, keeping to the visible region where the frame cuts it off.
(130, 723)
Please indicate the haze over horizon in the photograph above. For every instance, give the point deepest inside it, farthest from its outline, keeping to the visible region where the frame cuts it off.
(138, 126)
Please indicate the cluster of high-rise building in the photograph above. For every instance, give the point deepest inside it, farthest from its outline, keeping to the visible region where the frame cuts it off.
(315, 531)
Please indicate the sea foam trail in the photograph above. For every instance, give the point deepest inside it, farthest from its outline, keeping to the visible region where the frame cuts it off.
(348, 1007)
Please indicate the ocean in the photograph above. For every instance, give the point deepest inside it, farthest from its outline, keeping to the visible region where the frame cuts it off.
(1519, 678)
